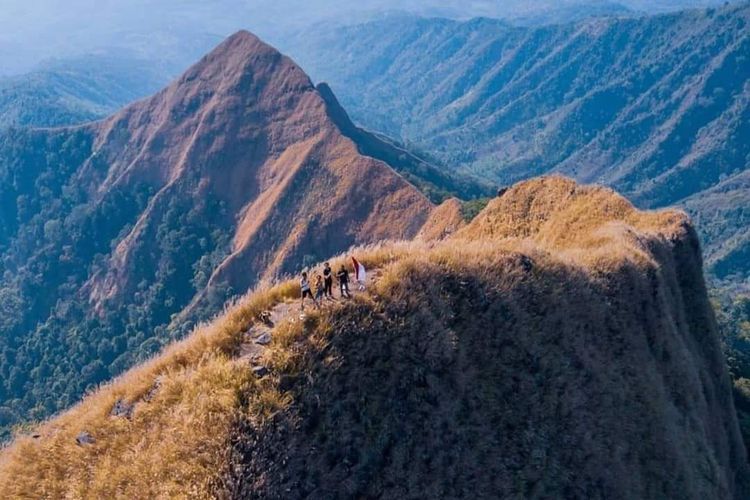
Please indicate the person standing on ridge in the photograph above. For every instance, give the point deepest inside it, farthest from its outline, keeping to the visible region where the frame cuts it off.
(319, 288)
(343, 276)
(328, 281)
(304, 285)
(359, 274)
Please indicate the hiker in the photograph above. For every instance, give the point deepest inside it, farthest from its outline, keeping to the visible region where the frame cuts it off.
(343, 276)
(304, 285)
(328, 281)
(319, 288)
(359, 274)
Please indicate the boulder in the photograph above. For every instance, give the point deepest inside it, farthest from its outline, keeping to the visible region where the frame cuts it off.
(84, 439)
(122, 409)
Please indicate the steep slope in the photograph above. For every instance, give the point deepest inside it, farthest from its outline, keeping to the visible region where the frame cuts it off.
(722, 214)
(560, 345)
(117, 236)
(438, 183)
(656, 107)
(77, 90)
(445, 220)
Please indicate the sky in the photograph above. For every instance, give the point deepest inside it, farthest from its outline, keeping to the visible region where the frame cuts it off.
(32, 31)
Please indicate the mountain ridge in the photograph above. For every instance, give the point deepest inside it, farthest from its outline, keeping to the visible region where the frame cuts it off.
(130, 229)
(498, 361)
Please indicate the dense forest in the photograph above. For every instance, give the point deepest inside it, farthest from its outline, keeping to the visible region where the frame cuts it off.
(62, 237)
(77, 90)
(732, 309)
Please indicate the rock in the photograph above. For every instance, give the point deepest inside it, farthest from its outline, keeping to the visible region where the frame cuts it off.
(122, 409)
(36, 436)
(152, 392)
(264, 339)
(260, 371)
(84, 438)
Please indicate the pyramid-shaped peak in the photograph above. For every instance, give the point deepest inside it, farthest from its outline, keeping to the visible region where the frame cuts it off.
(243, 53)
(245, 41)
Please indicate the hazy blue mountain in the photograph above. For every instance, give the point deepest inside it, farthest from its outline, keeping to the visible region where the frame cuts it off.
(33, 31)
(657, 107)
(77, 90)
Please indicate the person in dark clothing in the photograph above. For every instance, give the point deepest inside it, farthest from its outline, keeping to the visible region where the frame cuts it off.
(319, 288)
(343, 276)
(328, 281)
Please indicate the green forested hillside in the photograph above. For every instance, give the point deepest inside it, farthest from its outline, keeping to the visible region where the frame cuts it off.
(53, 237)
(77, 90)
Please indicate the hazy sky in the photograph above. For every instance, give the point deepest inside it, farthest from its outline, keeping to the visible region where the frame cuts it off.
(33, 30)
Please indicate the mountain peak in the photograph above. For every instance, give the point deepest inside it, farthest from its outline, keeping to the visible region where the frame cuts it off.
(243, 57)
(244, 43)
(244, 35)
(246, 128)
(233, 174)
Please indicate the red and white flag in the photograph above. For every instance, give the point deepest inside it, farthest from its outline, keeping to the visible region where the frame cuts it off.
(359, 271)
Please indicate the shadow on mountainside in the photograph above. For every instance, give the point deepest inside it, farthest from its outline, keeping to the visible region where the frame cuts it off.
(509, 379)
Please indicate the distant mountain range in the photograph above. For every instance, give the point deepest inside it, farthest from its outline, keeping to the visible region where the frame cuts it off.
(31, 32)
(77, 90)
(657, 107)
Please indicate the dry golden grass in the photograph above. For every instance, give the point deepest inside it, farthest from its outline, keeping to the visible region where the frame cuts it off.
(590, 225)
(177, 443)
(444, 220)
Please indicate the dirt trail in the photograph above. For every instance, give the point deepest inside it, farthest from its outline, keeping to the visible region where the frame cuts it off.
(260, 334)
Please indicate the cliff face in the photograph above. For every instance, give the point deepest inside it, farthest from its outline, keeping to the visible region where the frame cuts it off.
(128, 230)
(560, 345)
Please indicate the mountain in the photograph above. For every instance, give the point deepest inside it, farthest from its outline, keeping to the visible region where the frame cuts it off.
(561, 345)
(173, 30)
(118, 236)
(656, 107)
(77, 90)
(569, 12)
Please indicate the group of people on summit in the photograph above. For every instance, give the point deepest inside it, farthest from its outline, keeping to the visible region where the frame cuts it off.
(323, 286)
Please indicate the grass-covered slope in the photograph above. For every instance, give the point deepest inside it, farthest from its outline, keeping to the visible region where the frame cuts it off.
(560, 345)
